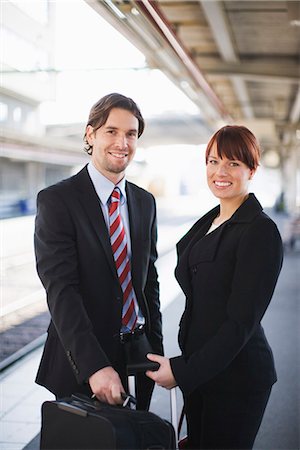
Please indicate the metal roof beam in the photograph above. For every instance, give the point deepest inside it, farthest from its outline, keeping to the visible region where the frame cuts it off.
(156, 16)
(220, 30)
(255, 70)
(149, 30)
(295, 110)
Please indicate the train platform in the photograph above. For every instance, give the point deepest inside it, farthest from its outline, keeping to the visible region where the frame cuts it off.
(21, 398)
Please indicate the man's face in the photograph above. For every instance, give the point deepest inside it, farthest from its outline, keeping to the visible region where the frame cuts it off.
(114, 144)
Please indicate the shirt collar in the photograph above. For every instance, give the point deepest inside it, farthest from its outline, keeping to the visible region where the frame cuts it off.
(104, 186)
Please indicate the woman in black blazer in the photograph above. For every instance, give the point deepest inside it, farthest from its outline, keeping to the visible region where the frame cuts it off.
(228, 266)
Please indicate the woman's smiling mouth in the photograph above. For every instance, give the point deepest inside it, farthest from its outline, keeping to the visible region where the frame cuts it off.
(222, 183)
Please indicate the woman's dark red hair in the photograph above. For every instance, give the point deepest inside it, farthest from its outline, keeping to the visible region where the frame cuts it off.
(236, 142)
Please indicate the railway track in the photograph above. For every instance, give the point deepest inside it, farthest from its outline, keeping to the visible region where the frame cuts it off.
(21, 331)
(24, 315)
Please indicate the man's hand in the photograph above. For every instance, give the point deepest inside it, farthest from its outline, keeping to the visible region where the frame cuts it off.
(163, 376)
(107, 386)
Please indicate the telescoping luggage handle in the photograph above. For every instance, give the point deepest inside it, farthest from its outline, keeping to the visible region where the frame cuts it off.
(128, 399)
(131, 372)
(134, 369)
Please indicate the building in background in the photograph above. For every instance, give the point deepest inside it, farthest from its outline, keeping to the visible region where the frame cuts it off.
(28, 159)
(62, 66)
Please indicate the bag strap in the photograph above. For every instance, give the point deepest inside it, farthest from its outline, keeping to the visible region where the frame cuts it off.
(180, 422)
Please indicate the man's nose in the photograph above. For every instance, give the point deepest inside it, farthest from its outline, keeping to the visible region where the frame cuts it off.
(121, 142)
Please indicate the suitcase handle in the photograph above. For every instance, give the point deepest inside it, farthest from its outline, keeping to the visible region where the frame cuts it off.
(133, 369)
(128, 399)
(94, 403)
(73, 409)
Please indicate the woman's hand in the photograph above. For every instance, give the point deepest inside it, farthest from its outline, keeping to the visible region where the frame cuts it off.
(163, 376)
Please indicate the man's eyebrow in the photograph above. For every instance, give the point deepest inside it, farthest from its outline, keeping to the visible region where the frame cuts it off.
(111, 127)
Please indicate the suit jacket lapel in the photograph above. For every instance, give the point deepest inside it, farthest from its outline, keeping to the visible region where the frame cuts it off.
(135, 225)
(91, 204)
(208, 245)
(198, 230)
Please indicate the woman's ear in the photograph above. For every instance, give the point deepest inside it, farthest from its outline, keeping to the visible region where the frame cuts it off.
(252, 172)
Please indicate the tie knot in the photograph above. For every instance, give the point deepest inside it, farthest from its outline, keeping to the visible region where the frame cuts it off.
(116, 195)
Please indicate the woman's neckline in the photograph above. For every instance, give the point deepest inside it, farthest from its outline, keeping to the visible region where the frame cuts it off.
(218, 223)
(228, 215)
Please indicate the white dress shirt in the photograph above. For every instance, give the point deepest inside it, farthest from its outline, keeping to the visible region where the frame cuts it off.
(104, 187)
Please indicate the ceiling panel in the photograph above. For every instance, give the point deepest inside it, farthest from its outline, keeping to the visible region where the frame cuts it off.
(237, 60)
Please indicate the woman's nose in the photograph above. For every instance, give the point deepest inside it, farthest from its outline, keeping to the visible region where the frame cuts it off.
(222, 169)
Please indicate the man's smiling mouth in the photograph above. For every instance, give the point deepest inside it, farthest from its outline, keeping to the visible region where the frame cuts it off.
(119, 155)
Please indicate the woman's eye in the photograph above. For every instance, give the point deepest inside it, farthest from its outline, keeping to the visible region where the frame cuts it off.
(234, 164)
(212, 161)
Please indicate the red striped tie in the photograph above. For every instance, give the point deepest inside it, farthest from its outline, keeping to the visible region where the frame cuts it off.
(119, 248)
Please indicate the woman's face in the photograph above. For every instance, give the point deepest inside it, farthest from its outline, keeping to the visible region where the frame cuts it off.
(227, 179)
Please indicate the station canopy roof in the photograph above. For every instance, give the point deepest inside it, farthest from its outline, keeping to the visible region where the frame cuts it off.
(239, 61)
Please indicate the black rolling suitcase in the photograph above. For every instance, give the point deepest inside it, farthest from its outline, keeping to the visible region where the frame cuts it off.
(78, 423)
(82, 423)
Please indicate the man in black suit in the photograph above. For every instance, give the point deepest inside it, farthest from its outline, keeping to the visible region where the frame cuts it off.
(85, 347)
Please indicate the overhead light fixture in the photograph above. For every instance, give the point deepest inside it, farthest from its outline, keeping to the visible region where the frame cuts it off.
(184, 84)
(293, 10)
(295, 23)
(135, 12)
(116, 10)
(271, 159)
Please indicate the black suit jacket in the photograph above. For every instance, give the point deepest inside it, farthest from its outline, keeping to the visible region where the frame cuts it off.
(228, 277)
(76, 266)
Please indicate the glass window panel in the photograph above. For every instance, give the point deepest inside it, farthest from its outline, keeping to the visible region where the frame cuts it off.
(37, 9)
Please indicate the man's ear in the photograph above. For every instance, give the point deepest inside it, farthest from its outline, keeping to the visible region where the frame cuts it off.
(89, 132)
